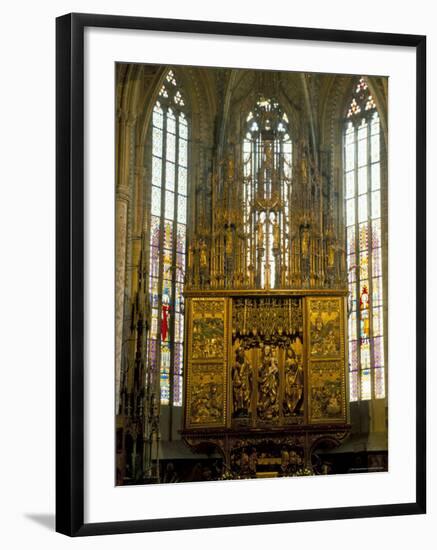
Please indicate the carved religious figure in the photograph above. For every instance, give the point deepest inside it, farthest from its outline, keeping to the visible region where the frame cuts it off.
(190, 256)
(228, 233)
(203, 254)
(203, 262)
(241, 384)
(331, 255)
(276, 235)
(260, 232)
(268, 386)
(294, 382)
(305, 241)
(268, 155)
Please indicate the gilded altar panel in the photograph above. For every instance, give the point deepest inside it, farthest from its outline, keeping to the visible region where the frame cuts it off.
(327, 391)
(208, 329)
(207, 395)
(325, 327)
(206, 372)
(326, 359)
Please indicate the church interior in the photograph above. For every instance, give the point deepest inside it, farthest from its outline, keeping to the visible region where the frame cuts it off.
(251, 290)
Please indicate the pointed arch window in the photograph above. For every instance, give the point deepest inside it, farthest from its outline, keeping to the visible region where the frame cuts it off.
(168, 219)
(267, 162)
(362, 192)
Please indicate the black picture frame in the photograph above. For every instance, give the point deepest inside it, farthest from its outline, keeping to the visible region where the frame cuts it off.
(70, 273)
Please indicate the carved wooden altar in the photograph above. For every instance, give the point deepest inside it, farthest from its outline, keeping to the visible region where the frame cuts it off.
(265, 345)
(265, 375)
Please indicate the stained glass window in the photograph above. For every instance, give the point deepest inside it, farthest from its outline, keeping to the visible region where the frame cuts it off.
(168, 209)
(362, 180)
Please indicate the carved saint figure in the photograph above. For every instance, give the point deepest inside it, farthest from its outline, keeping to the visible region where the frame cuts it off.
(260, 233)
(331, 255)
(318, 337)
(305, 242)
(293, 384)
(276, 235)
(241, 384)
(268, 155)
(203, 262)
(203, 257)
(268, 384)
(228, 241)
(190, 255)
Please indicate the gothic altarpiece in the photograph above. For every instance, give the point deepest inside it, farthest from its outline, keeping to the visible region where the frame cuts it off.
(265, 294)
(263, 279)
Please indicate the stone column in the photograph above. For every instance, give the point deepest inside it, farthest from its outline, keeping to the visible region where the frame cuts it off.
(124, 135)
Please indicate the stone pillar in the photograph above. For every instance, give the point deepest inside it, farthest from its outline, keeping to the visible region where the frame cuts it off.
(124, 136)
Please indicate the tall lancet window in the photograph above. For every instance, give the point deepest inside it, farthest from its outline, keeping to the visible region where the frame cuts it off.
(362, 187)
(267, 164)
(168, 218)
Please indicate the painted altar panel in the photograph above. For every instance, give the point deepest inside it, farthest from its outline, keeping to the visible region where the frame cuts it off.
(327, 391)
(326, 360)
(206, 388)
(325, 327)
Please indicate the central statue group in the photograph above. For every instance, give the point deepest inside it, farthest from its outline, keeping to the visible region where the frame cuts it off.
(268, 382)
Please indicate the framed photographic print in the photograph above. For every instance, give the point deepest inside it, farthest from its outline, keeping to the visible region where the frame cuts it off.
(240, 274)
